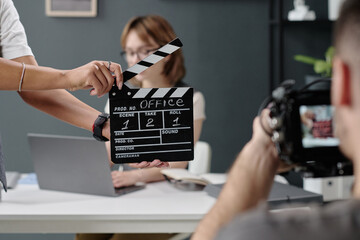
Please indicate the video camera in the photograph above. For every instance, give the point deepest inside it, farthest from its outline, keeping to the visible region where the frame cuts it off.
(303, 125)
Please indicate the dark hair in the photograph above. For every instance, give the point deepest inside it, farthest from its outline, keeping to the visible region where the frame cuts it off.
(160, 30)
(347, 34)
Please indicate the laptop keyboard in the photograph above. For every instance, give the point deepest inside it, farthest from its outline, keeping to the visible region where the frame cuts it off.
(129, 189)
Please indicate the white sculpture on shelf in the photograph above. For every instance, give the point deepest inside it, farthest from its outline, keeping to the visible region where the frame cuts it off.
(334, 8)
(301, 12)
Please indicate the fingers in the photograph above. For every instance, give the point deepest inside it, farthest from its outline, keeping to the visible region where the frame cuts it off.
(155, 163)
(159, 164)
(100, 81)
(142, 164)
(265, 115)
(109, 80)
(95, 83)
(116, 69)
(104, 78)
(118, 179)
(262, 124)
(114, 177)
(284, 167)
(96, 75)
(163, 165)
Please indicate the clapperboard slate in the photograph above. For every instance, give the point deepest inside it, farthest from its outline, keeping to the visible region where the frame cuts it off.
(151, 123)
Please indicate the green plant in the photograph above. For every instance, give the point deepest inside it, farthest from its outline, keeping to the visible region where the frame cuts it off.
(321, 66)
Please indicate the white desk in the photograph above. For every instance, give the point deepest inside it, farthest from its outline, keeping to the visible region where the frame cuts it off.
(160, 208)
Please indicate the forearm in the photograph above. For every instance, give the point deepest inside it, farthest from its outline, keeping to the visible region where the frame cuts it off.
(108, 151)
(35, 78)
(59, 103)
(249, 183)
(154, 174)
(62, 105)
(44, 78)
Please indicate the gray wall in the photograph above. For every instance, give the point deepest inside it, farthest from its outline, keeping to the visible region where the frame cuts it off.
(225, 51)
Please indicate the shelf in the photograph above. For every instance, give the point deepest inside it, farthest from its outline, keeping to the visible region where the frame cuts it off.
(287, 22)
(278, 26)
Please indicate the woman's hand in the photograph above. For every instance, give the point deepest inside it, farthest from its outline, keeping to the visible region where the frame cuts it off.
(155, 163)
(127, 178)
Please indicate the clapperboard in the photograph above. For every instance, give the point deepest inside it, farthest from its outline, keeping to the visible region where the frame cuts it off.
(151, 123)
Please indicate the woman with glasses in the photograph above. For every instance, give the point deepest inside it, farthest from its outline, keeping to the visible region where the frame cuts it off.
(141, 37)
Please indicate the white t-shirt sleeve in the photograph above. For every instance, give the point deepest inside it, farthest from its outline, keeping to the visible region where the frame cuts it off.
(13, 39)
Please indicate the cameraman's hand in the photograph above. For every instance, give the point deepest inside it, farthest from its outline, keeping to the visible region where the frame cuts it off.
(262, 129)
(249, 180)
(262, 138)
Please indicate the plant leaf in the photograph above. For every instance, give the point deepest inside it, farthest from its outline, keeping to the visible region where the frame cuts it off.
(305, 59)
(329, 54)
(321, 67)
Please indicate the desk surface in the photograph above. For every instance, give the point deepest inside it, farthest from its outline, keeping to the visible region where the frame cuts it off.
(158, 208)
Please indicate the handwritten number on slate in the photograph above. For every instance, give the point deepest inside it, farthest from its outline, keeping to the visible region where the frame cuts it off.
(126, 123)
(176, 122)
(149, 122)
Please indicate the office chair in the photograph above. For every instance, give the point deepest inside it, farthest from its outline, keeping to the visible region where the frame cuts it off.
(202, 158)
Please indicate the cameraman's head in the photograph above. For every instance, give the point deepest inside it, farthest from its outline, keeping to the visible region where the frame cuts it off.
(346, 80)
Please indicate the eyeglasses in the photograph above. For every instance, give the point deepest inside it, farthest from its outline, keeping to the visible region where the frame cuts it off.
(141, 53)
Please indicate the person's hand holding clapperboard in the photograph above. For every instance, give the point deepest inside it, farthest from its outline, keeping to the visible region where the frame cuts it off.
(151, 123)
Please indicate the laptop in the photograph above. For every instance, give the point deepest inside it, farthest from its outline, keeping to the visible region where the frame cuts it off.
(12, 179)
(73, 164)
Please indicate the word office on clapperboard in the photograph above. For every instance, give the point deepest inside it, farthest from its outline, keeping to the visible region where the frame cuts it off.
(151, 123)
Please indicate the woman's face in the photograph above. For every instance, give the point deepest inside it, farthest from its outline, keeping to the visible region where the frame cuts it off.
(136, 50)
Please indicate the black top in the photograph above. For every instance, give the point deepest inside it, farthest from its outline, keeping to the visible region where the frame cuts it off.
(339, 220)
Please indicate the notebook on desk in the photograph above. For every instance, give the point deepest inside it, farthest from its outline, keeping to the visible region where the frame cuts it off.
(73, 164)
(280, 194)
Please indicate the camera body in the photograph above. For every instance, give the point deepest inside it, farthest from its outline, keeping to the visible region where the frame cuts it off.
(303, 126)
